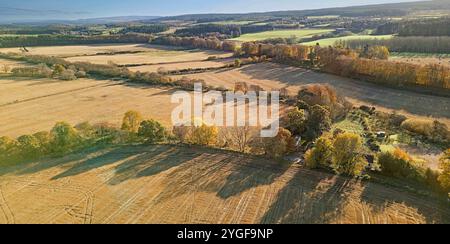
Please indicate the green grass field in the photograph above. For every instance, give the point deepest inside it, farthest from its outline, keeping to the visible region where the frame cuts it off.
(420, 55)
(301, 33)
(331, 41)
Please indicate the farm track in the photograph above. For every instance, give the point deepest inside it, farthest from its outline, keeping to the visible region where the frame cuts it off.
(168, 184)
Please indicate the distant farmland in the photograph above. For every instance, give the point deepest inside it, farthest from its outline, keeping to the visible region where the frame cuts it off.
(332, 41)
(301, 33)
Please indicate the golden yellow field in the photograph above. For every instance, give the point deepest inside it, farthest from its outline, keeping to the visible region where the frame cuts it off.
(32, 105)
(168, 184)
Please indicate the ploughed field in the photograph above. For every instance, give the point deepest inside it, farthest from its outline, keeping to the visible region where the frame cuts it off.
(169, 184)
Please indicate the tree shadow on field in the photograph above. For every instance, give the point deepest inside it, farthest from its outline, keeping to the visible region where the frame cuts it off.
(223, 173)
(434, 208)
(149, 163)
(309, 198)
(248, 173)
(99, 160)
(378, 95)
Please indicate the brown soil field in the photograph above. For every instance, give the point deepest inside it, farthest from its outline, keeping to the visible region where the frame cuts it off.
(32, 105)
(182, 65)
(276, 76)
(168, 184)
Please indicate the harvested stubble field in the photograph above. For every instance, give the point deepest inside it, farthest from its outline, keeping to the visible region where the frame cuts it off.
(276, 76)
(153, 55)
(422, 60)
(87, 50)
(168, 184)
(182, 65)
(10, 64)
(32, 105)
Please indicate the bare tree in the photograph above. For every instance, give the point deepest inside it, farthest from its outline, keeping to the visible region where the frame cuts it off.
(6, 68)
(240, 137)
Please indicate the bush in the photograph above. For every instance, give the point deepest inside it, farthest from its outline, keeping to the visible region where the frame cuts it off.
(131, 121)
(204, 135)
(325, 96)
(40, 71)
(67, 75)
(444, 164)
(279, 146)
(64, 138)
(28, 146)
(319, 121)
(347, 154)
(432, 130)
(321, 155)
(81, 74)
(296, 121)
(152, 131)
(8, 149)
(400, 164)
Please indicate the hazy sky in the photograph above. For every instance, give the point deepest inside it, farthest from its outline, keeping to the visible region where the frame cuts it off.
(74, 9)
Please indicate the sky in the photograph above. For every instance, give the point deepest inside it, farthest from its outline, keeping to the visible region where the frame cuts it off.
(79, 9)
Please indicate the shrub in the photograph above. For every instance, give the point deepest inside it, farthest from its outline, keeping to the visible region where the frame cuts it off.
(44, 139)
(326, 96)
(81, 74)
(279, 146)
(28, 146)
(347, 154)
(182, 132)
(131, 121)
(319, 121)
(421, 127)
(7, 149)
(444, 164)
(398, 163)
(67, 75)
(152, 131)
(296, 121)
(321, 155)
(432, 130)
(204, 135)
(64, 138)
(40, 71)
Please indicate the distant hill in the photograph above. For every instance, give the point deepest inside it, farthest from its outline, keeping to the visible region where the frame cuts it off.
(105, 20)
(393, 9)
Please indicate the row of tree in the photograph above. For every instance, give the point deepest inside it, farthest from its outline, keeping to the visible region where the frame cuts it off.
(368, 63)
(416, 44)
(197, 42)
(146, 29)
(419, 27)
(43, 71)
(226, 30)
(54, 40)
